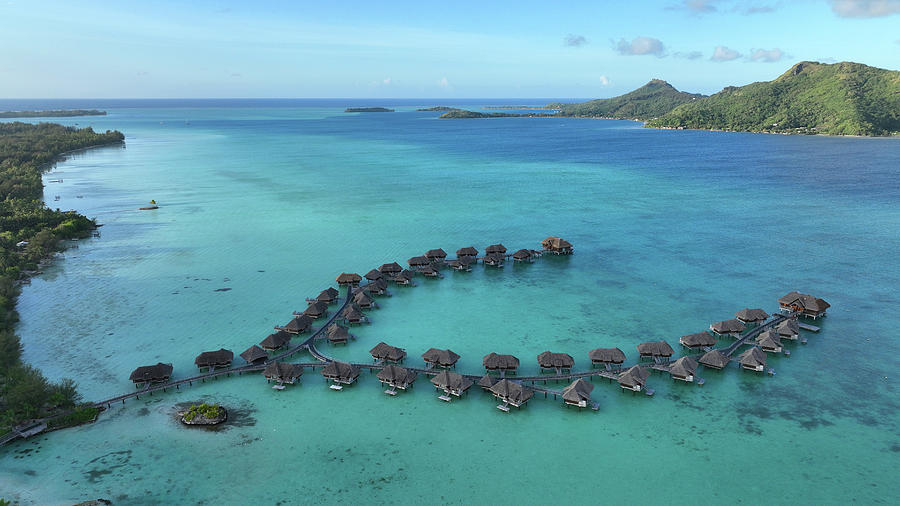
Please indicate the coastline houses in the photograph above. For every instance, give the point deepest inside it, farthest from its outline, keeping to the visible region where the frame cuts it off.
(731, 328)
(254, 355)
(282, 372)
(159, 373)
(438, 357)
(606, 356)
(769, 342)
(275, 341)
(349, 278)
(714, 359)
(684, 369)
(698, 340)
(436, 255)
(396, 376)
(751, 316)
(502, 363)
(788, 329)
(341, 373)
(387, 353)
(753, 360)
(213, 359)
(557, 245)
(512, 393)
(807, 305)
(655, 350)
(578, 393)
(556, 361)
(451, 383)
(634, 378)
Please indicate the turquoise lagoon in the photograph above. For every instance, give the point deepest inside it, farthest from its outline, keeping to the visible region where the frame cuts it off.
(673, 230)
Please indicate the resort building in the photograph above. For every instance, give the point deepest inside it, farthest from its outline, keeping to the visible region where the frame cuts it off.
(512, 393)
(418, 262)
(340, 372)
(683, 369)
(556, 361)
(578, 393)
(159, 373)
(387, 353)
(634, 378)
(328, 296)
(557, 246)
(606, 356)
(451, 383)
(523, 255)
(254, 355)
(373, 275)
(443, 358)
(390, 269)
(698, 340)
(213, 359)
(498, 362)
(751, 316)
(732, 328)
(468, 252)
(337, 334)
(495, 249)
(349, 278)
(788, 329)
(353, 315)
(363, 300)
(487, 381)
(493, 260)
(436, 255)
(753, 359)
(316, 310)
(275, 341)
(807, 305)
(282, 372)
(397, 377)
(714, 359)
(461, 264)
(298, 325)
(404, 278)
(655, 349)
(769, 342)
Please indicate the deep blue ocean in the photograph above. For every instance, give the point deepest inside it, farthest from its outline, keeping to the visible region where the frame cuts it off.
(273, 199)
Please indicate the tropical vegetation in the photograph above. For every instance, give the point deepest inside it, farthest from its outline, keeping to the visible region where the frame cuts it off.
(649, 101)
(56, 113)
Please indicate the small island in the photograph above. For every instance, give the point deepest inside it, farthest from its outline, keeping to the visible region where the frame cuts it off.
(56, 113)
(439, 108)
(368, 109)
(204, 414)
(464, 114)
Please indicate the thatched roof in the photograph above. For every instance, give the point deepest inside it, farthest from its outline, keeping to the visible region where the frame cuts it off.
(445, 358)
(684, 367)
(299, 324)
(487, 381)
(493, 259)
(254, 354)
(348, 278)
(698, 340)
(769, 340)
(428, 270)
(494, 361)
(607, 356)
(328, 295)
(363, 299)
(727, 326)
(436, 254)
(577, 391)
(788, 328)
(655, 349)
(751, 315)
(316, 309)
(753, 357)
(715, 359)
(388, 352)
(353, 313)
(804, 301)
(635, 375)
(275, 341)
(379, 285)
(406, 274)
(341, 371)
(553, 242)
(512, 391)
(158, 372)
(391, 268)
(220, 357)
(522, 254)
(468, 251)
(373, 275)
(418, 261)
(396, 375)
(452, 381)
(495, 248)
(283, 371)
(337, 333)
(550, 360)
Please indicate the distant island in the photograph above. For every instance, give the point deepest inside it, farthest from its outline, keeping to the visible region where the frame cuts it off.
(368, 109)
(439, 108)
(811, 98)
(57, 113)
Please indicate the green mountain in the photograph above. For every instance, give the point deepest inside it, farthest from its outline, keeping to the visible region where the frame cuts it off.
(840, 99)
(649, 101)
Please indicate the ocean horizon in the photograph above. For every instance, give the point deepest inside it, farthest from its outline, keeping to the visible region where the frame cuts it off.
(263, 202)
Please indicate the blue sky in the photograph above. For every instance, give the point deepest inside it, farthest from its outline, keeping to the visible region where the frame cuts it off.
(203, 48)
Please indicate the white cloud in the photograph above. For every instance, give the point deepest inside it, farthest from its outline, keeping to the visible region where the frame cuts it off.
(768, 56)
(604, 81)
(641, 46)
(722, 53)
(573, 40)
(865, 8)
(690, 55)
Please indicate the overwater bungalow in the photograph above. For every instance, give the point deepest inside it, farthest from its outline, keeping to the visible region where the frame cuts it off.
(469, 252)
(495, 249)
(555, 361)
(655, 349)
(753, 359)
(349, 278)
(634, 378)
(316, 310)
(714, 359)
(683, 369)
(159, 373)
(461, 264)
(436, 255)
(578, 393)
(390, 269)
(275, 341)
(404, 278)
(282, 372)
(807, 305)
(606, 356)
(328, 296)
(254, 355)
(788, 329)
(340, 372)
(698, 340)
(443, 358)
(493, 260)
(498, 362)
(751, 316)
(397, 377)
(387, 353)
(522, 255)
(769, 342)
(353, 315)
(298, 325)
(557, 246)
(452, 383)
(214, 359)
(512, 393)
(732, 328)
(373, 275)
(429, 271)
(377, 287)
(418, 261)
(337, 334)
(364, 300)
(487, 381)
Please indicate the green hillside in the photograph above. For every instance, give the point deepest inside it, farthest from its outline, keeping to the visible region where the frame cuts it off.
(840, 99)
(649, 101)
